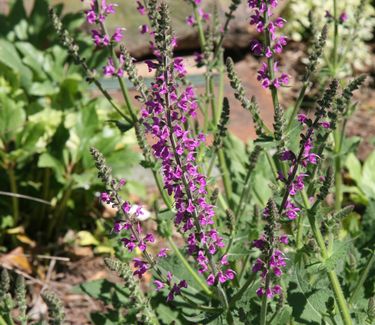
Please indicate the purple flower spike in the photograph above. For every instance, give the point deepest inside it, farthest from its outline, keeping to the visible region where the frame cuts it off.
(260, 9)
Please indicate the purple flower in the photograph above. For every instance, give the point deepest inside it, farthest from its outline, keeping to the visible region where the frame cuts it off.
(140, 266)
(276, 289)
(190, 20)
(126, 207)
(211, 280)
(277, 43)
(105, 198)
(284, 239)
(159, 285)
(91, 17)
(144, 29)
(343, 17)
(230, 274)
(260, 292)
(109, 70)
(117, 36)
(149, 238)
(141, 9)
(302, 118)
(256, 47)
(287, 155)
(224, 260)
(325, 124)
(163, 252)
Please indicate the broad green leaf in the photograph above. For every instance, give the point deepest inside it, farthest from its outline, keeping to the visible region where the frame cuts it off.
(349, 145)
(102, 289)
(367, 183)
(340, 250)
(283, 317)
(17, 12)
(12, 117)
(167, 315)
(354, 167)
(43, 89)
(308, 303)
(33, 58)
(86, 238)
(109, 318)
(46, 160)
(10, 57)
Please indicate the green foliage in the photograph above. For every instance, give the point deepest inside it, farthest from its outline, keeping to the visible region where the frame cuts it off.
(363, 177)
(47, 122)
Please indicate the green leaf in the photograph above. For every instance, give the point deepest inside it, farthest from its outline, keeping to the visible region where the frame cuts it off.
(86, 238)
(17, 12)
(10, 58)
(102, 289)
(165, 222)
(354, 168)
(12, 117)
(283, 317)
(367, 183)
(167, 315)
(173, 264)
(122, 125)
(308, 303)
(33, 58)
(43, 89)
(6, 222)
(109, 318)
(349, 145)
(46, 160)
(340, 250)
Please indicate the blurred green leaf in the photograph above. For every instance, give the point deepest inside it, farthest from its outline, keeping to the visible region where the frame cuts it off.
(367, 183)
(12, 118)
(354, 167)
(10, 58)
(46, 160)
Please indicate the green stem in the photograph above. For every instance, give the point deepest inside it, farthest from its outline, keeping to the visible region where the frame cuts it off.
(214, 110)
(59, 211)
(225, 174)
(335, 36)
(166, 198)
(243, 289)
(186, 264)
(339, 296)
(46, 189)
(297, 105)
(263, 310)
(270, 62)
(362, 279)
(123, 87)
(220, 96)
(110, 100)
(7, 320)
(272, 165)
(299, 243)
(2, 321)
(300, 221)
(14, 190)
(212, 164)
(338, 166)
(197, 17)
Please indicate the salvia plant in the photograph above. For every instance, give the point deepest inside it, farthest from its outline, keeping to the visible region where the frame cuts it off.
(259, 241)
(355, 22)
(13, 302)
